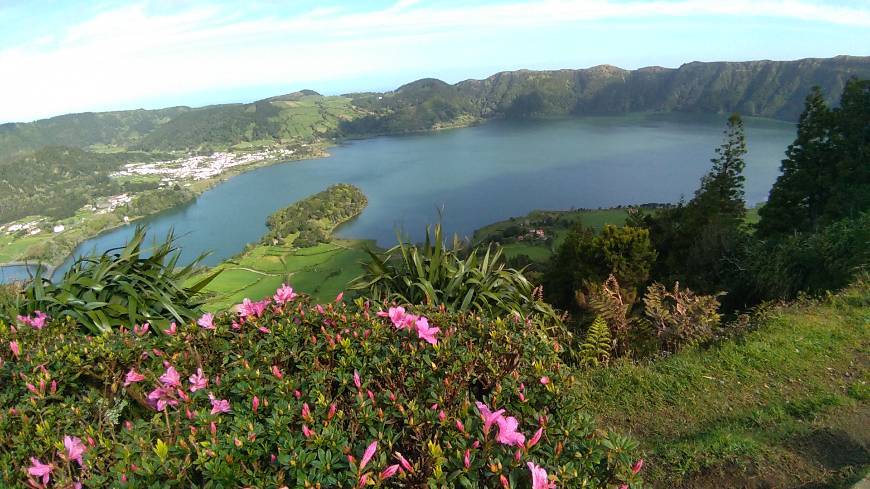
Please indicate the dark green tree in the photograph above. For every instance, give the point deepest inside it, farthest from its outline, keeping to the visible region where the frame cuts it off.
(586, 259)
(804, 187)
(826, 173)
(720, 197)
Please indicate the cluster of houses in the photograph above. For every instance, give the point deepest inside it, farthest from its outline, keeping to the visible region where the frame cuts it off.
(29, 227)
(533, 235)
(200, 167)
(108, 204)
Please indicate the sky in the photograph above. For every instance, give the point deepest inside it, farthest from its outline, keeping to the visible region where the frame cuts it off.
(59, 57)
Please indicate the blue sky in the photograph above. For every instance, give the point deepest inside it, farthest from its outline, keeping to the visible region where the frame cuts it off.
(59, 57)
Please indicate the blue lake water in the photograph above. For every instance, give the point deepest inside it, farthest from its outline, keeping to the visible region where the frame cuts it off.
(475, 176)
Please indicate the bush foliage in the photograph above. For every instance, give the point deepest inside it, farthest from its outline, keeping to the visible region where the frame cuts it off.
(284, 393)
(124, 286)
(435, 274)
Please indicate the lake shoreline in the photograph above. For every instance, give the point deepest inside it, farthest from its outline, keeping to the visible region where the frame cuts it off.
(548, 147)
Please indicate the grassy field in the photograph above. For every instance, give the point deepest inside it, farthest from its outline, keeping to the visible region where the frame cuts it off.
(15, 249)
(560, 223)
(321, 271)
(784, 405)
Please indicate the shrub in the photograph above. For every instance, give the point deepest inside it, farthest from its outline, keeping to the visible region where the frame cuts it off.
(680, 317)
(285, 393)
(121, 287)
(585, 258)
(434, 274)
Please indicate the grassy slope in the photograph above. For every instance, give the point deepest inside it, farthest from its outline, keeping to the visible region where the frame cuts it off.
(321, 271)
(785, 405)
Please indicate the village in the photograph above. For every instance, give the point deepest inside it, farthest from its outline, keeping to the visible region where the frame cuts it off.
(199, 167)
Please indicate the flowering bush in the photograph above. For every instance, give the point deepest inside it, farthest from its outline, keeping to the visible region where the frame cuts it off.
(284, 393)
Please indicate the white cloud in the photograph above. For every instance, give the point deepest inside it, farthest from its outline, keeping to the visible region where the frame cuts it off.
(130, 54)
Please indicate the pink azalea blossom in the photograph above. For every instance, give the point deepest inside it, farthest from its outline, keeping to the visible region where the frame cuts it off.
(198, 381)
(402, 460)
(339, 297)
(425, 332)
(319, 308)
(284, 294)
(545, 380)
(397, 316)
(161, 397)
(255, 404)
(489, 417)
(172, 329)
(39, 469)
(331, 413)
(539, 477)
(356, 380)
(307, 431)
(368, 454)
(467, 458)
(74, 449)
(171, 377)
(206, 321)
(141, 330)
(306, 411)
(133, 377)
(535, 438)
(637, 466)
(39, 319)
(389, 471)
(13, 345)
(507, 432)
(219, 406)
(504, 482)
(277, 372)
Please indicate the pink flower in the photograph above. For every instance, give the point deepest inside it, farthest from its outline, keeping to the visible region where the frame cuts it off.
(255, 404)
(425, 332)
(319, 309)
(402, 460)
(442, 416)
(397, 316)
(545, 380)
(306, 431)
(504, 482)
(162, 397)
(356, 380)
(141, 330)
(38, 321)
(198, 381)
(306, 411)
(206, 321)
(535, 438)
(248, 308)
(489, 417)
(171, 377)
(539, 477)
(389, 471)
(171, 330)
(363, 479)
(331, 413)
(368, 454)
(637, 466)
(339, 297)
(74, 449)
(39, 469)
(277, 372)
(133, 377)
(467, 458)
(13, 345)
(219, 406)
(460, 426)
(507, 432)
(284, 294)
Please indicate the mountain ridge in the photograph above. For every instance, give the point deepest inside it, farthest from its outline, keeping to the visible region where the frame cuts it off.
(763, 88)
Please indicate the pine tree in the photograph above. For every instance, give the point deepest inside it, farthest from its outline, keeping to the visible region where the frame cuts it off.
(720, 197)
(804, 186)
